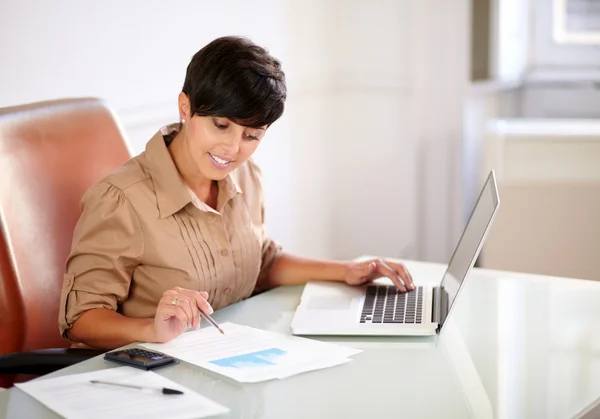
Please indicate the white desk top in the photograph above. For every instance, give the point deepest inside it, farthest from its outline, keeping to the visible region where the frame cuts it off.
(517, 346)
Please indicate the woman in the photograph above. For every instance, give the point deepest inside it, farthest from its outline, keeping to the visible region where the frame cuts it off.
(181, 225)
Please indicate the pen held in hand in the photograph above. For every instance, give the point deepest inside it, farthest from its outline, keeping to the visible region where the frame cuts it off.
(163, 390)
(210, 320)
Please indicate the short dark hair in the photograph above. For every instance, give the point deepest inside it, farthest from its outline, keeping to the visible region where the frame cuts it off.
(231, 77)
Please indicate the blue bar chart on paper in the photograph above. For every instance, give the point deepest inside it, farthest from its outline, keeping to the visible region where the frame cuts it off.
(253, 359)
(250, 355)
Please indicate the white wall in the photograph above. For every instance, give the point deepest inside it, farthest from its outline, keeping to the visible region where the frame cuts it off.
(441, 71)
(385, 89)
(371, 131)
(367, 156)
(134, 55)
(511, 35)
(308, 71)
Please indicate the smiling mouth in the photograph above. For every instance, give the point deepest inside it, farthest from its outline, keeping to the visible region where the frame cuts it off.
(219, 160)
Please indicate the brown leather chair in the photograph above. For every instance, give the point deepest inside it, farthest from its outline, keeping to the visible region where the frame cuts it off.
(50, 154)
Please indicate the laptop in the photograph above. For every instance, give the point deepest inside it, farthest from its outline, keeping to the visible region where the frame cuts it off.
(378, 309)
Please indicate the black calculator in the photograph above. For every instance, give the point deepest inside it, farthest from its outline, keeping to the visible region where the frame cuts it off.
(140, 358)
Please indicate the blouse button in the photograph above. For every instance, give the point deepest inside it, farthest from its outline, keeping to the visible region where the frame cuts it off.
(224, 252)
(227, 291)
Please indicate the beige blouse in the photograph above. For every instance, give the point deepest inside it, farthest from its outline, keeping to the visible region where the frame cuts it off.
(142, 231)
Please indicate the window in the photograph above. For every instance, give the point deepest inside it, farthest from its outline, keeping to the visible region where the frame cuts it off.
(577, 22)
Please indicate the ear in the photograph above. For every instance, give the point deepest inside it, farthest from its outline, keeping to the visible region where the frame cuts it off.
(184, 106)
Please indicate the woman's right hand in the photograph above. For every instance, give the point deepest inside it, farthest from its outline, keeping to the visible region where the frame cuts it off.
(178, 311)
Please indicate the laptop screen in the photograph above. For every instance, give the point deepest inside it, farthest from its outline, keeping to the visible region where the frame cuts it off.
(470, 243)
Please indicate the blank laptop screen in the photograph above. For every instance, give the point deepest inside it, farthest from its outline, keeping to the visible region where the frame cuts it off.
(469, 244)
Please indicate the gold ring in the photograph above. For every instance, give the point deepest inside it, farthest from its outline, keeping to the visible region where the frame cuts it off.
(175, 299)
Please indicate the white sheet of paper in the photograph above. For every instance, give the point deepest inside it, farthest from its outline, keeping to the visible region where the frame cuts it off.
(251, 355)
(73, 396)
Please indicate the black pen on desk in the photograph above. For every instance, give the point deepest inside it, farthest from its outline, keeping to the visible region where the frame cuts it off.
(163, 390)
(210, 320)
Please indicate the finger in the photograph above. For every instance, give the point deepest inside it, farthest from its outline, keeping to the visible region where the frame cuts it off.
(183, 319)
(190, 308)
(195, 311)
(167, 312)
(181, 301)
(404, 274)
(365, 280)
(204, 304)
(201, 301)
(386, 270)
(366, 269)
(166, 300)
(172, 293)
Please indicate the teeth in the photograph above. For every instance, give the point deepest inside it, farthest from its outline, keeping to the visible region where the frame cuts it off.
(219, 160)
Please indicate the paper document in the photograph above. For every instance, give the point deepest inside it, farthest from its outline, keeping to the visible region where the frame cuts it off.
(73, 396)
(252, 355)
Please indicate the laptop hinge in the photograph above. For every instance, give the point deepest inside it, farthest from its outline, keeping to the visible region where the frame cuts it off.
(440, 306)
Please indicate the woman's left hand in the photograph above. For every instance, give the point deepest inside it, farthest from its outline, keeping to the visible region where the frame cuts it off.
(366, 271)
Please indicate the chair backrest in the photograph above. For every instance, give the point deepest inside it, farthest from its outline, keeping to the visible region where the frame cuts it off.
(50, 154)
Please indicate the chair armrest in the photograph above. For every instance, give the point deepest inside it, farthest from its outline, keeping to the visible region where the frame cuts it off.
(44, 361)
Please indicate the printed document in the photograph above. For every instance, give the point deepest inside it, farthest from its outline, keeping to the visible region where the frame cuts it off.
(251, 355)
(73, 396)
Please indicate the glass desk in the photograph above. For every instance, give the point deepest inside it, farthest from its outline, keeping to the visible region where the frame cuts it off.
(516, 346)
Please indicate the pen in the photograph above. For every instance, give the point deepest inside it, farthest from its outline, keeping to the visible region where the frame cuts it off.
(210, 320)
(163, 390)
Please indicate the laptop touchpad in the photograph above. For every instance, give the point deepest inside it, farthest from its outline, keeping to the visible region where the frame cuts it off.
(329, 303)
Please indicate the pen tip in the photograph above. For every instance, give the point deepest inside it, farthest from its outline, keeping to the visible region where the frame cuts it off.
(221, 330)
(171, 391)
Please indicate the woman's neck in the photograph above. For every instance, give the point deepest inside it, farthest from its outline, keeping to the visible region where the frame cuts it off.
(201, 185)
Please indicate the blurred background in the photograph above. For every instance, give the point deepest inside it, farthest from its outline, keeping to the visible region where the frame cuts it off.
(397, 110)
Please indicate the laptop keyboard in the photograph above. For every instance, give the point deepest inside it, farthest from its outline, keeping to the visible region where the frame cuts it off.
(385, 304)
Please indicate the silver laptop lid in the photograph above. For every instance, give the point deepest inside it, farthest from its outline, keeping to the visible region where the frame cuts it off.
(467, 249)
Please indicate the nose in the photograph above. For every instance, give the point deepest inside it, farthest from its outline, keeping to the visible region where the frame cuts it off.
(232, 145)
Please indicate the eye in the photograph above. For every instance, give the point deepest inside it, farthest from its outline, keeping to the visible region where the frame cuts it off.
(220, 126)
(252, 137)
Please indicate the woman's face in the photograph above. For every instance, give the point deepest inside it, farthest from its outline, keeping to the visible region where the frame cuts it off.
(217, 145)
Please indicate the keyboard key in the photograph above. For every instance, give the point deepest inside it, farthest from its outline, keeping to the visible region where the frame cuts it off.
(386, 304)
